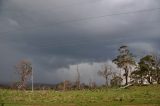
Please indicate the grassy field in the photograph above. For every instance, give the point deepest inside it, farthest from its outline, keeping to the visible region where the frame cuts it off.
(133, 96)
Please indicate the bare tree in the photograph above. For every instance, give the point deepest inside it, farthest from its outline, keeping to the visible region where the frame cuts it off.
(66, 85)
(24, 70)
(78, 79)
(106, 72)
(92, 84)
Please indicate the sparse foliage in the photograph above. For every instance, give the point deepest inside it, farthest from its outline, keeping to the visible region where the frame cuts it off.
(124, 60)
(92, 84)
(106, 72)
(116, 80)
(24, 70)
(66, 85)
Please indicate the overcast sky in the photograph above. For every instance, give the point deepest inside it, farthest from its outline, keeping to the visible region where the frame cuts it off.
(56, 35)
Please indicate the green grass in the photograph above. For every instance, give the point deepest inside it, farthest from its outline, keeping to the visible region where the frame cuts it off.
(133, 96)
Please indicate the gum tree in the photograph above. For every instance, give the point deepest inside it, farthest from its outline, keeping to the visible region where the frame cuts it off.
(125, 60)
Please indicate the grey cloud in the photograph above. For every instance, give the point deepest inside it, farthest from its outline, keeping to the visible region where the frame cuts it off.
(30, 30)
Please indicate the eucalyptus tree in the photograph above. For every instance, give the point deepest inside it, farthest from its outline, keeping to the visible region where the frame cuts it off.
(125, 60)
(149, 69)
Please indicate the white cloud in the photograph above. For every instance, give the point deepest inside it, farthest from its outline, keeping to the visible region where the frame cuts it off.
(87, 71)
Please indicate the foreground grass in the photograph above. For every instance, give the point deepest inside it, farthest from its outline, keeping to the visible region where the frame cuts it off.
(133, 96)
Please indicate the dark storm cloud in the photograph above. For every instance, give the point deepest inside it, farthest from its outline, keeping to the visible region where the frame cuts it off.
(59, 34)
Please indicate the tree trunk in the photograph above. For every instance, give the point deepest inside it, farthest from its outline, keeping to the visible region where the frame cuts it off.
(126, 80)
(158, 80)
(141, 80)
(126, 76)
(158, 77)
(107, 81)
(149, 80)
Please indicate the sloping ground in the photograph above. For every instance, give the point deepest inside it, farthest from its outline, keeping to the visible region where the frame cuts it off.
(132, 96)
